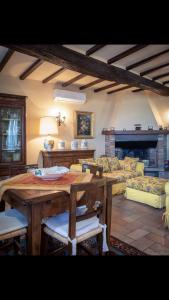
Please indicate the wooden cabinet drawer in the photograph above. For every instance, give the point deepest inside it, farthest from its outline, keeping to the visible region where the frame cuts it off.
(17, 171)
(4, 171)
(65, 158)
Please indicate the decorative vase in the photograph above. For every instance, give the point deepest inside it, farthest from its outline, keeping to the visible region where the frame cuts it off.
(61, 145)
(48, 144)
(74, 145)
(84, 144)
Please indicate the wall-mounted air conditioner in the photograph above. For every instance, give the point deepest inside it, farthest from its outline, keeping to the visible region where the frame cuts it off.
(69, 96)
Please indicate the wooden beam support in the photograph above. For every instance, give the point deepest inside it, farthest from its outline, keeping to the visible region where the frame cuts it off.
(108, 86)
(146, 60)
(160, 76)
(94, 49)
(120, 89)
(5, 59)
(54, 75)
(78, 62)
(31, 69)
(74, 79)
(126, 53)
(165, 82)
(137, 90)
(154, 69)
(83, 87)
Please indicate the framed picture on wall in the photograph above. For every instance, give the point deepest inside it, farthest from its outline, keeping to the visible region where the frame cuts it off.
(83, 125)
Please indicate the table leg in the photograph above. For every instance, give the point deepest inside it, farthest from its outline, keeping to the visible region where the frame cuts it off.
(34, 230)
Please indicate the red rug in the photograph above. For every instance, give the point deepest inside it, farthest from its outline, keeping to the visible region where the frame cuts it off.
(123, 249)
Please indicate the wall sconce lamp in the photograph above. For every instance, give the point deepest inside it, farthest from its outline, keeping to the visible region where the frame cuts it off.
(60, 119)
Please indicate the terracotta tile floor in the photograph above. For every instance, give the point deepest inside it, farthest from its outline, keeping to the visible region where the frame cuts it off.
(139, 225)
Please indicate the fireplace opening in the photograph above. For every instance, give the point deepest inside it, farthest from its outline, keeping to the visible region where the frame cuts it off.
(144, 150)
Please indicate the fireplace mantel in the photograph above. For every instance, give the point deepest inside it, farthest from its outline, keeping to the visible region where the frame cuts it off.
(134, 132)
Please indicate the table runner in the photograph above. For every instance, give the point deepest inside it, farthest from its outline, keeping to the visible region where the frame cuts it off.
(28, 181)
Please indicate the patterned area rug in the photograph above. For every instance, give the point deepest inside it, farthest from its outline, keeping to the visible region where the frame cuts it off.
(118, 248)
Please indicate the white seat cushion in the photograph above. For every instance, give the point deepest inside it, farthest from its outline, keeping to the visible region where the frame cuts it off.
(81, 210)
(11, 220)
(59, 224)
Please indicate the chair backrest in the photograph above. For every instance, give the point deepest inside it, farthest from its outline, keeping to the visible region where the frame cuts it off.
(94, 197)
(94, 169)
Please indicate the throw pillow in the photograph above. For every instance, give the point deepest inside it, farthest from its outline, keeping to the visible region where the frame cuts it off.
(103, 161)
(131, 158)
(130, 165)
(113, 163)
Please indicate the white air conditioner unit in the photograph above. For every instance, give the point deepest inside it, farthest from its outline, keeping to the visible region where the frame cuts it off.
(69, 96)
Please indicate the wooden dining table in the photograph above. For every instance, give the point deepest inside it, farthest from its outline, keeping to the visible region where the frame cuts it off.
(38, 204)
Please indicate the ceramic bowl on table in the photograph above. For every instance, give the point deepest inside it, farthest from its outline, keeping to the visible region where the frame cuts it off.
(51, 176)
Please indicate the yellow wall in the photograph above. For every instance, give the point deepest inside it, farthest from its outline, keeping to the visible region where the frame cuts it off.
(121, 110)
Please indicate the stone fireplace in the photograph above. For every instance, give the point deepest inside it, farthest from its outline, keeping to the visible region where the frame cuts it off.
(148, 146)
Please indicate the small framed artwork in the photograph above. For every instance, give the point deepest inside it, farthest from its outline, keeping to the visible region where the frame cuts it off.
(83, 125)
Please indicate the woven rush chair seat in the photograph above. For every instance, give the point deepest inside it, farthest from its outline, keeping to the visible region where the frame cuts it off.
(58, 227)
(83, 222)
(12, 224)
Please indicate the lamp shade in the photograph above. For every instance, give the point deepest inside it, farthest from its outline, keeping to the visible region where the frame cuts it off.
(48, 126)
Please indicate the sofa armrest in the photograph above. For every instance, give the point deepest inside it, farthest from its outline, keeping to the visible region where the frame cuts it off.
(140, 168)
(76, 168)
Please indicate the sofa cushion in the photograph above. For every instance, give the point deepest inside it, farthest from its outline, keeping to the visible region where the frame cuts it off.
(129, 165)
(121, 175)
(103, 161)
(149, 184)
(113, 164)
(131, 158)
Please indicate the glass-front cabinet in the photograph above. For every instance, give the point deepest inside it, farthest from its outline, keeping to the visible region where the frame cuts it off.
(12, 132)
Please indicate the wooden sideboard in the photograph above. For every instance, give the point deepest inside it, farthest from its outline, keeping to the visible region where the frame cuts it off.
(65, 157)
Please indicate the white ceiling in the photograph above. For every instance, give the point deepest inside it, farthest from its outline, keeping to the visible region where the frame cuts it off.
(18, 63)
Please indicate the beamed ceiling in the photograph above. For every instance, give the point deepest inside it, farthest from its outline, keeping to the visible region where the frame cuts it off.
(102, 68)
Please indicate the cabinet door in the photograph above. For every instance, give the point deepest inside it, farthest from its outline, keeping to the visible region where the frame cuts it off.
(11, 134)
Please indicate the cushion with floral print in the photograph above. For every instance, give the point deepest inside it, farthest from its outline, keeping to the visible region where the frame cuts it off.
(129, 165)
(113, 163)
(131, 158)
(121, 175)
(148, 184)
(103, 161)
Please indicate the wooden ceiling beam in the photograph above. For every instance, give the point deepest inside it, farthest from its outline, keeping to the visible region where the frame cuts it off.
(94, 49)
(120, 89)
(137, 90)
(165, 82)
(53, 75)
(78, 62)
(6, 58)
(146, 60)
(126, 53)
(31, 69)
(83, 87)
(160, 76)
(151, 70)
(74, 79)
(108, 86)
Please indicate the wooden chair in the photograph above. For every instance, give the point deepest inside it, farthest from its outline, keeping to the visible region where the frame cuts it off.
(80, 223)
(13, 225)
(94, 169)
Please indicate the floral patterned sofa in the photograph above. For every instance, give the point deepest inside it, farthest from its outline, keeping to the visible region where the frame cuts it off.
(147, 189)
(121, 170)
